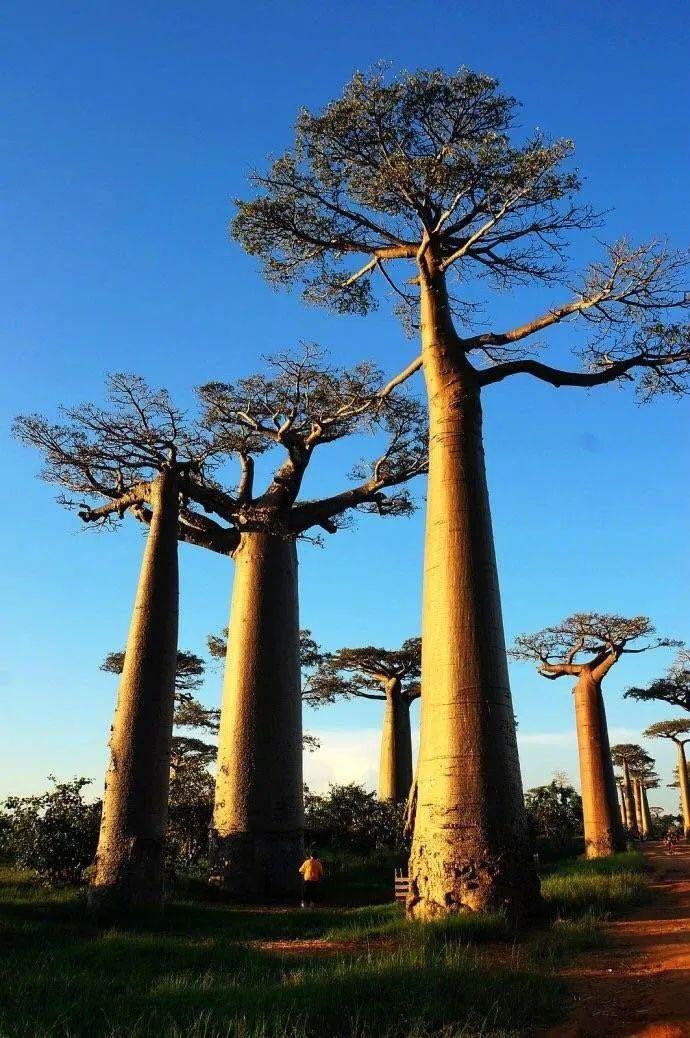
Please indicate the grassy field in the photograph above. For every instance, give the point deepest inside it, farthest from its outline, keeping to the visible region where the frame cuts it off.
(208, 970)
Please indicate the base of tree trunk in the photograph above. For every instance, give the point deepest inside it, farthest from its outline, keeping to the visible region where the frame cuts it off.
(491, 883)
(136, 881)
(257, 866)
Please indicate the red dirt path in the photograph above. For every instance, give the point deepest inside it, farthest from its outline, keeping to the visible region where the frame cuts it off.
(638, 986)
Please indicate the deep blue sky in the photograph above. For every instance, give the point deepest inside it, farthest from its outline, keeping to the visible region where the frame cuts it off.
(128, 130)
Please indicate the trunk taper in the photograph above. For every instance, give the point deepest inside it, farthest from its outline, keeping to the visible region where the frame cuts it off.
(395, 770)
(630, 799)
(258, 820)
(470, 847)
(129, 859)
(684, 789)
(603, 830)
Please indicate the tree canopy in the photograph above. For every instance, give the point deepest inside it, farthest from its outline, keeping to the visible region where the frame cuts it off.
(602, 637)
(672, 688)
(428, 168)
(674, 730)
(364, 672)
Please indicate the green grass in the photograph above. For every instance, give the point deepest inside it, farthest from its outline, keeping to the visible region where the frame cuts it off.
(202, 971)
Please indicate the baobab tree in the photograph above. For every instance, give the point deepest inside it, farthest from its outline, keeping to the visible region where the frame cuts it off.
(426, 171)
(295, 408)
(310, 657)
(635, 763)
(390, 676)
(673, 688)
(603, 639)
(137, 455)
(678, 731)
(189, 676)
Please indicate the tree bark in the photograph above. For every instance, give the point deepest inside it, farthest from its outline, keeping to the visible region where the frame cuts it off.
(646, 813)
(624, 809)
(470, 848)
(630, 799)
(619, 837)
(603, 832)
(129, 860)
(258, 821)
(637, 792)
(684, 789)
(395, 770)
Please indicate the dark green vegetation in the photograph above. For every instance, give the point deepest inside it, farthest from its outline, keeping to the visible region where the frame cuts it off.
(207, 969)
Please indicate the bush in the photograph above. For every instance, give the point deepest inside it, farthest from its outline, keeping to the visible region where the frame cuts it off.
(555, 812)
(350, 818)
(54, 833)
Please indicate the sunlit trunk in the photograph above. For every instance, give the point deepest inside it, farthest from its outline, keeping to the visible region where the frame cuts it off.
(630, 800)
(470, 848)
(395, 770)
(646, 813)
(623, 808)
(637, 793)
(684, 789)
(129, 859)
(619, 836)
(258, 819)
(603, 833)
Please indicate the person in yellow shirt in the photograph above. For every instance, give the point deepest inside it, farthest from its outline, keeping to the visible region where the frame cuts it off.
(312, 872)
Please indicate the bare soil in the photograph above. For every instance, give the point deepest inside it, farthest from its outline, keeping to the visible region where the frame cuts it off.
(638, 984)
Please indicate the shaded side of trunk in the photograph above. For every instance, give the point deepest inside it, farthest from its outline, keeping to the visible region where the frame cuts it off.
(630, 800)
(638, 807)
(129, 859)
(471, 848)
(258, 820)
(684, 789)
(619, 837)
(395, 769)
(600, 816)
(646, 813)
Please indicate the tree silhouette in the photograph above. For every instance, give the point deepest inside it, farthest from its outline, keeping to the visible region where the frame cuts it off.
(426, 171)
(673, 688)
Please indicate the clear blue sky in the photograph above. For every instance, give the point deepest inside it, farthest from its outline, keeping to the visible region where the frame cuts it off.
(128, 130)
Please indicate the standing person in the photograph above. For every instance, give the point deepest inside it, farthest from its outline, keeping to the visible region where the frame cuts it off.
(312, 872)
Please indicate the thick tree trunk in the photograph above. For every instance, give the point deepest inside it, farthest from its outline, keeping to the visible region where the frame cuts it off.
(602, 827)
(630, 799)
(470, 848)
(637, 793)
(258, 820)
(619, 837)
(684, 790)
(646, 813)
(624, 809)
(395, 770)
(129, 859)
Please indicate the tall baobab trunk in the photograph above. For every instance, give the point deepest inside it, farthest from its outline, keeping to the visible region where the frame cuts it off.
(129, 859)
(630, 799)
(623, 808)
(637, 792)
(470, 847)
(603, 831)
(684, 789)
(395, 771)
(619, 837)
(258, 817)
(646, 813)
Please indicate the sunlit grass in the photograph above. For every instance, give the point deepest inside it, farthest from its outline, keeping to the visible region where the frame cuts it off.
(208, 970)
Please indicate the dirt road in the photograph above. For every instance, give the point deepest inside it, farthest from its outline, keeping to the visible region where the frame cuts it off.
(638, 985)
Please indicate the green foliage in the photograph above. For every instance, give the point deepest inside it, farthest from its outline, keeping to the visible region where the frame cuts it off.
(556, 815)
(54, 833)
(351, 818)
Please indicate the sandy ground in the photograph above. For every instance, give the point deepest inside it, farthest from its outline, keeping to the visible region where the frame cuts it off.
(638, 986)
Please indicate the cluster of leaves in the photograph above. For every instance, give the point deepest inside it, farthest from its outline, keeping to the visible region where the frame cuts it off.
(54, 833)
(555, 811)
(348, 817)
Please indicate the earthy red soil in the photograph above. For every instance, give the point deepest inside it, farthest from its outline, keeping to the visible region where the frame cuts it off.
(638, 984)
